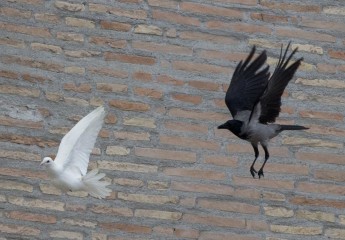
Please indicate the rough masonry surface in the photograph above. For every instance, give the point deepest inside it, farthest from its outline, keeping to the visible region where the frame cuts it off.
(161, 69)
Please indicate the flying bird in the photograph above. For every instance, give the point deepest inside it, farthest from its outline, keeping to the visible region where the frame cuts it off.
(69, 169)
(254, 100)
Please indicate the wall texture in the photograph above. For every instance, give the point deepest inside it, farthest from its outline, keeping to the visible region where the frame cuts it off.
(161, 68)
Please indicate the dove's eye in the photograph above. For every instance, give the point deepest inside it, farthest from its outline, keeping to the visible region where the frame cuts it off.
(48, 161)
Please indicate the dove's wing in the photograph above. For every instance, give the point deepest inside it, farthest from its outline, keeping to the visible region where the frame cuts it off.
(76, 146)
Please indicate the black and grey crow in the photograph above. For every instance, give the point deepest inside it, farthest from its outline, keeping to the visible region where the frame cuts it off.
(254, 100)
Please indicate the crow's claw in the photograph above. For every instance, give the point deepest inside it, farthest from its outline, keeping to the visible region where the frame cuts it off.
(261, 173)
(252, 171)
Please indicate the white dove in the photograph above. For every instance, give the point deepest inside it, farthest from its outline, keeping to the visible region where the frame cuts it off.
(68, 170)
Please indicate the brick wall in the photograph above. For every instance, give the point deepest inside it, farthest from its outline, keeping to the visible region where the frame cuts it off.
(161, 68)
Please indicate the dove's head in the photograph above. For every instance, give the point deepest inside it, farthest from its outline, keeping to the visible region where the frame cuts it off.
(47, 161)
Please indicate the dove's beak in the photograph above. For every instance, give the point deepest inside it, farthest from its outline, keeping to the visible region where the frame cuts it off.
(41, 163)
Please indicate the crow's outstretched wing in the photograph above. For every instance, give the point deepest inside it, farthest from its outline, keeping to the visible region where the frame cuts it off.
(247, 85)
(271, 99)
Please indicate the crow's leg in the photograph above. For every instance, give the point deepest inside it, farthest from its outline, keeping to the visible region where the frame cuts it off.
(256, 150)
(267, 155)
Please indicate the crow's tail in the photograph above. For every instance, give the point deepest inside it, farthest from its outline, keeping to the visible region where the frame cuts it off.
(292, 127)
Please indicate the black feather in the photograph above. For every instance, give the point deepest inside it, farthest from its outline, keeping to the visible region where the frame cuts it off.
(292, 127)
(271, 99)
(247, 83)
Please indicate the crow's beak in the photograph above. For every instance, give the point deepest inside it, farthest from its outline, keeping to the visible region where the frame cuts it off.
(223, 126)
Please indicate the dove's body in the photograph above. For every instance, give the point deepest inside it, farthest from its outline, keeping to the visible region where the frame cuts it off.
(65, 180)
(68, 170)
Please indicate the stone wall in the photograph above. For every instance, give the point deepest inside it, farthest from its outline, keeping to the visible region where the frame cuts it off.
(161, 69)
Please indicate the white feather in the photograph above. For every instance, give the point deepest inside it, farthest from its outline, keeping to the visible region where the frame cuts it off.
(76, 146)
(69, 168)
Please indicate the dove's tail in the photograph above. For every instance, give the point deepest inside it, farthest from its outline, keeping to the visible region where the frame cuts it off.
(95, 187)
